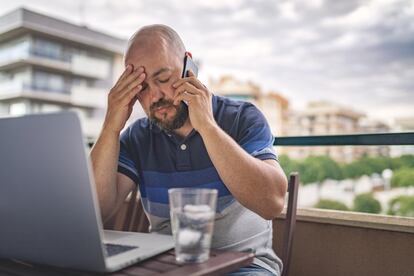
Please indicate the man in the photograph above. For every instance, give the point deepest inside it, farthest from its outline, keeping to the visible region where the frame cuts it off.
(209, 142)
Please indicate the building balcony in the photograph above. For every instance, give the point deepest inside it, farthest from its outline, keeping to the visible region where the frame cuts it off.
(77, 96)
(77, 65)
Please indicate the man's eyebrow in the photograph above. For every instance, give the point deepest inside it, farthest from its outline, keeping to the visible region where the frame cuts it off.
(160, 71)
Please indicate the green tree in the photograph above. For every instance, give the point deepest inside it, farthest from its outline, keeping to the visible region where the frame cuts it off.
(319, 168)
(366, 203)
(403, 177)
(403, 161)
(353, 170)
(331, 204)
(401, 206)
(366, 166)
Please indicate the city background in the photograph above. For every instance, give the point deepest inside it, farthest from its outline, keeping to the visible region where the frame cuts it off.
(52, 59)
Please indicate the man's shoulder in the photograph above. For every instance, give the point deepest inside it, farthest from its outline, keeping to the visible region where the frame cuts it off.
(231, 109)
(229, 103)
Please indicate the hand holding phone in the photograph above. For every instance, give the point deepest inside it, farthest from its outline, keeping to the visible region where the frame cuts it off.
(195, 96)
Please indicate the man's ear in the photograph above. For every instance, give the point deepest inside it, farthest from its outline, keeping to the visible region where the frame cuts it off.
(189, 54)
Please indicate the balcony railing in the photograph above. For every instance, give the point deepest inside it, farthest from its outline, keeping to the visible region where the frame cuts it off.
(329, 242)
(372, 139)
(20, 86)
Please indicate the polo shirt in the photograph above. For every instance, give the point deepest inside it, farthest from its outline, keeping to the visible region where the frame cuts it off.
(157, 160)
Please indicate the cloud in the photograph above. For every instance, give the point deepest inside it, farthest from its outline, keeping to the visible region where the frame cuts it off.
(355, 52)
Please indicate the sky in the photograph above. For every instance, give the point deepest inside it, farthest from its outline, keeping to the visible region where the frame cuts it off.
(354, 53)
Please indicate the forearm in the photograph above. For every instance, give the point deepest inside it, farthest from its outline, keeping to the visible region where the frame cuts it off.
(104, 157)
(257, 185)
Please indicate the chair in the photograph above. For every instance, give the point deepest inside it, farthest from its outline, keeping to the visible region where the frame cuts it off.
(131, 217)
(290, 221)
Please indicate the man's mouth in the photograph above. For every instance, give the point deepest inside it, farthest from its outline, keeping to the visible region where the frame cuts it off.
(162, 109)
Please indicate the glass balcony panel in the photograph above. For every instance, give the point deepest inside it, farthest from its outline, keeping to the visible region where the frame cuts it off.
(88, 66)
(89, 95)
(14, 51)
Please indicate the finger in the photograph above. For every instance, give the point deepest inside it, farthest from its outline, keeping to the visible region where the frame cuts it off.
(191, 73)
(191, 90)
(133, 84)
(187, 87)
(191, 79)
(186, 97)
(127, 80)
(128, 97)
(127, 71)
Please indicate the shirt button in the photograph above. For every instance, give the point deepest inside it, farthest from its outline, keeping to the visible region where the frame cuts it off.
(183, 147)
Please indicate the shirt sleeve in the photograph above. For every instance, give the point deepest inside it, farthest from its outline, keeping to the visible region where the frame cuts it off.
(254, 134)
(126, 163)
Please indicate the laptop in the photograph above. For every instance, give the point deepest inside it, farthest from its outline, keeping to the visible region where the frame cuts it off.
(49, 211)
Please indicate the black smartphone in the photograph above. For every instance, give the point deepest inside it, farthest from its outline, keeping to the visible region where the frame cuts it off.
(189, 65)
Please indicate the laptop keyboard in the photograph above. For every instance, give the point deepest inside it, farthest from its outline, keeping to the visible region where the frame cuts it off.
(114, 249)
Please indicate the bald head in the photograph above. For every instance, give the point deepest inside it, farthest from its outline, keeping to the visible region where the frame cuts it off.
(154, 37)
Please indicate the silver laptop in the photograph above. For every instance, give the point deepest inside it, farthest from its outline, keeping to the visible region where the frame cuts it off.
(49, 211)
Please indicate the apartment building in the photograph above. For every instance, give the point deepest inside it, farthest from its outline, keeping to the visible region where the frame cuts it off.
(47, 65)
(325, 118)
(272, 104)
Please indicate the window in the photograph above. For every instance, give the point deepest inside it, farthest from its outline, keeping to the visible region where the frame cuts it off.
(48, 49)
(49, 82)
(15, 50)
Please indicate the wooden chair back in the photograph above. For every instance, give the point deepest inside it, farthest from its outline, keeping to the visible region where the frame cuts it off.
(290, 221)
(131, 217)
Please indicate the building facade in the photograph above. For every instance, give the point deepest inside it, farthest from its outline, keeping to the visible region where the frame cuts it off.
(374, 126)
(325, 118)
(273, 105)
(403, 124)
(48, 65)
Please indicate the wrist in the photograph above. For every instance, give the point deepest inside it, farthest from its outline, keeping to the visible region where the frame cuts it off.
(107, 130)
(209, 127)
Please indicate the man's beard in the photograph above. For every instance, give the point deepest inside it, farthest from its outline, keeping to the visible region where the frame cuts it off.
(176, 122)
